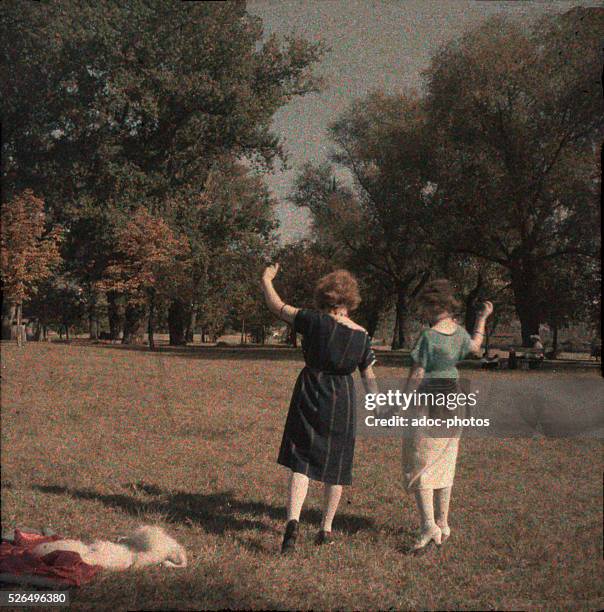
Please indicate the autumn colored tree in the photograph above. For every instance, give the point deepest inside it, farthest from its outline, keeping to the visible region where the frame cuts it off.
(150, 266)
(29, 252)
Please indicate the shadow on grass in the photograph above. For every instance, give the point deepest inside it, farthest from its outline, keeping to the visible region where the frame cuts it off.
(216, 513)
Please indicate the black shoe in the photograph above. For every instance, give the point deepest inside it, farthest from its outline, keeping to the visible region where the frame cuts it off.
(324, 537)
(289, 539)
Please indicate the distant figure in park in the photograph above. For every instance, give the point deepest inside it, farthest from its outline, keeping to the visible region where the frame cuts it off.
(489, 363)
(429, 462)
(536, 354)
(537, 346)
(512, 359)
(319, 437)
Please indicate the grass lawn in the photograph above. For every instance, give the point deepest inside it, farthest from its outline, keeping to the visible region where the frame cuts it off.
(97, 439)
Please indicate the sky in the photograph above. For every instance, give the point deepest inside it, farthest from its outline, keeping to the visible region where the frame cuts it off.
(383, 44)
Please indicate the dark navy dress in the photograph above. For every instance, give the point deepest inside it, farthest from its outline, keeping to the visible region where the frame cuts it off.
(319, 432)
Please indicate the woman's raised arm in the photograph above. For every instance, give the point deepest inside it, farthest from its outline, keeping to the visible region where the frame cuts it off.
(274, 303)
(478, 335)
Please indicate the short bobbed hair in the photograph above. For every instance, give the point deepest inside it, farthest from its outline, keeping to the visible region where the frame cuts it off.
(339, 288)
(439, 296)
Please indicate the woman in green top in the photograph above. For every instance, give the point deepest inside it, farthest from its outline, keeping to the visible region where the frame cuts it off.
(429, 462)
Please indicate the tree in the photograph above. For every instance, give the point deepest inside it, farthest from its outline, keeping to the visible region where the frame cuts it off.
(58, 301)
(150, 268)
(111, 105)
(29, 253)
(230, 227)
(301, 265)
(570, 293)
(516, 116)
(143, 94)
(248, 311)
(382, 221)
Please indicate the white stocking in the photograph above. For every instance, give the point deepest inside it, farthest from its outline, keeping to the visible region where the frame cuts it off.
(298, 487)
(425, 505)
(331, 499)
(442, 497)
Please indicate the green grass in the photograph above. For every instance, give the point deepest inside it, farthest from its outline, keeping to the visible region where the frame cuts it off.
(99, 439)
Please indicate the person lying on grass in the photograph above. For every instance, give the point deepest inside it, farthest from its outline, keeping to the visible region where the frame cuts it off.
(319, 437)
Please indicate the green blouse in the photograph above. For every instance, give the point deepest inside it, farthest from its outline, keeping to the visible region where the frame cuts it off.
(438, 353)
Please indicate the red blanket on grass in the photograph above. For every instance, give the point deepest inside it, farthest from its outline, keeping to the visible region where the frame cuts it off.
(60, 568)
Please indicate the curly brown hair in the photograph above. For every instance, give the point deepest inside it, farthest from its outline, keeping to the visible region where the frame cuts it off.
(438, 296)
(339, 288)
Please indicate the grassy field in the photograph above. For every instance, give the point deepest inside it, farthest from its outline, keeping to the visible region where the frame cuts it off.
(97, 439)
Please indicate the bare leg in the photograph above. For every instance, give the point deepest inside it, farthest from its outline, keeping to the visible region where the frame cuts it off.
(442, 498)
(331, 499)
(298, 487)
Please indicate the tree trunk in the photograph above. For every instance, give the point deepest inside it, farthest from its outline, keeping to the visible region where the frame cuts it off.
(372, 324)
(490, 328)
(38, 332)
(394, 332)
(529, 323)
(134, 324)
(19, 335)
(526, 301)
(242, 331)
(190, 335)
(176, 323)
(293, 337)
(9, 310)
(372, 316)
(114, 316)
(93, 324)
(555, 341)
(400, 320)
(470, 304)
(93, 327)
(150, 322)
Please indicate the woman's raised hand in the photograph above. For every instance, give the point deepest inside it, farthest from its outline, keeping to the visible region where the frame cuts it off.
(487, 309)
(270, 272)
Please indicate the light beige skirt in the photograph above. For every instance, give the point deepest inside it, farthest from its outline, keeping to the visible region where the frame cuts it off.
(429, 461)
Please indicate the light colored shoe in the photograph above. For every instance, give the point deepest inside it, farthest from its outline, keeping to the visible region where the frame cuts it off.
(426, 538)
(445, 534)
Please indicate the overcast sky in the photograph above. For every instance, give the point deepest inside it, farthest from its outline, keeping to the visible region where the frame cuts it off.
(374, 44)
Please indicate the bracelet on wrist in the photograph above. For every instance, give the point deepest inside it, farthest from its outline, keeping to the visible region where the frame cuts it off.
(476, 332)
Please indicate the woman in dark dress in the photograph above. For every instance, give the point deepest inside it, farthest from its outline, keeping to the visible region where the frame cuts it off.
(319, 436)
